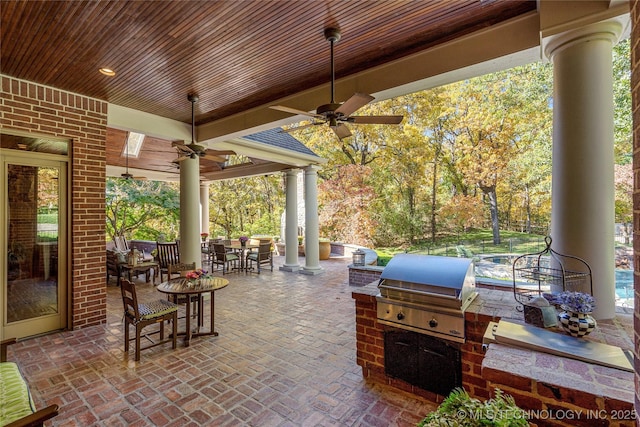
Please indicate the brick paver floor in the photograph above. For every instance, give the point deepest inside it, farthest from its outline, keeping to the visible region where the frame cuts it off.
(285, 356)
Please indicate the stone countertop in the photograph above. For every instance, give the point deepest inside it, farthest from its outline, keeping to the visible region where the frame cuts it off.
(556, 370)
(501, 304)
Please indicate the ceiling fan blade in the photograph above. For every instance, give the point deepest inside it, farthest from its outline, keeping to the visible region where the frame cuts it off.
(294, 111)
(181, 146)
(372, 120)
(357, 101)
(213, 157)
(341, 130)
(220, 152)
(181, 158)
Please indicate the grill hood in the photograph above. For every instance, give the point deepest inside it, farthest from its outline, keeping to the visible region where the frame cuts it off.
(426, 294)
(427, 273)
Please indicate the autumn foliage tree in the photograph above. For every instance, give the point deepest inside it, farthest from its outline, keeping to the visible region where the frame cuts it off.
(344, 205)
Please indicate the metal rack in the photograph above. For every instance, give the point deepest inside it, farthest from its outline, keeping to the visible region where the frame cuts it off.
(548, 272)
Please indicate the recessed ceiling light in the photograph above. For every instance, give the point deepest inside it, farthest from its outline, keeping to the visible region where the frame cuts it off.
(107, 72)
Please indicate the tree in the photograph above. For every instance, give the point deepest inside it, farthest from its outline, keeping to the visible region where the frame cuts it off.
(144, 210)
(347, 217)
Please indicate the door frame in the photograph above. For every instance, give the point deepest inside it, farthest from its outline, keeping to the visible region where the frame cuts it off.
(60, 320)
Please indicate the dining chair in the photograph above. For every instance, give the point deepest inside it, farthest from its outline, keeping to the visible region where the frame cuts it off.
(207, 250)
(181, 269)
(224, 258)
(168, 253)
(264, 255)
(141, 315)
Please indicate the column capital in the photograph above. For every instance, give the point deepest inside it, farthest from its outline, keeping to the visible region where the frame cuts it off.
(609, 30)
(312, 168)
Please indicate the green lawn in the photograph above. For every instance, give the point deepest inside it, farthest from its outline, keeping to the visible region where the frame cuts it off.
(475, 241)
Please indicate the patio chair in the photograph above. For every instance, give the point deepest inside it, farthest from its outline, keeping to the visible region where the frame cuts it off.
(224, 258)
(168, 253)
(141, 315)
(114, 265)
(207, 250)
(264, 255)
(182, 269)
(121, 243)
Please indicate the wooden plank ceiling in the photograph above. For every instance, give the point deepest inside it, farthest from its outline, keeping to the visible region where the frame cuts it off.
(234, 54)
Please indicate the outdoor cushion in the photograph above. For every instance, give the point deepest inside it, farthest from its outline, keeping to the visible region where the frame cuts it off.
(14, 394)
(232, 257)
(157, 308)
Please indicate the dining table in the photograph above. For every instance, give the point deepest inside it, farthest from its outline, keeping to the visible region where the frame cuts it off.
(190, 288)
(241, 250)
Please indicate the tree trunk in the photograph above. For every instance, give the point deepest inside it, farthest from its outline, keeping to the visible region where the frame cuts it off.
(493, 207)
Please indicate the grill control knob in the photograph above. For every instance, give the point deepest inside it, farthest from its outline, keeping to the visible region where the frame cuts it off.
(400, 316)
(433, 323)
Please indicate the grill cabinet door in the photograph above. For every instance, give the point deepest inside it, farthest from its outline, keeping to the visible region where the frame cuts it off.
(400, 355)
(439, 365)
(427, 362)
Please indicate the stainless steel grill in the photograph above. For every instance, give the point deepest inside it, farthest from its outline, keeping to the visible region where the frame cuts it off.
(427, 294)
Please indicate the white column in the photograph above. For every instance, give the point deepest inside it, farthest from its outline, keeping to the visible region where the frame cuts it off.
(311, 227)
(291, 227)
(190, 211)
(204, 208)
(582, 214)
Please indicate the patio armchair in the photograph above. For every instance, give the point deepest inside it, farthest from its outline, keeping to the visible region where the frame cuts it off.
(114, 265)
(140, 315)
(121, 243)
(168, 253)
(264, 255)
(224, 258)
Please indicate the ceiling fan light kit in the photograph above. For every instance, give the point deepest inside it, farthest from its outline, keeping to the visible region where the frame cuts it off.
(336, 114)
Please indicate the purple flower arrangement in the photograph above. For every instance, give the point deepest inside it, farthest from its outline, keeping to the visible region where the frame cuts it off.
(577, 302)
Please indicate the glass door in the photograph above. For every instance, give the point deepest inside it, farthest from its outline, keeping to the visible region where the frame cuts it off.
(34, 288)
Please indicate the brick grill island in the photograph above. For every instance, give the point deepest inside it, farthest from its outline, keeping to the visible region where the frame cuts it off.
(538, 381)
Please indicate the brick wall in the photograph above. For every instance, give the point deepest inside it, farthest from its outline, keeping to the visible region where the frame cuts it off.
(635, 90)
(360, 276)
(26, 106)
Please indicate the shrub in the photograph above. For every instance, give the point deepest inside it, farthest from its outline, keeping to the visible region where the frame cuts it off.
(460, 409)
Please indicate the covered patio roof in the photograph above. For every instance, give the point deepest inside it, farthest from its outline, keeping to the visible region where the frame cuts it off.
(243, 57)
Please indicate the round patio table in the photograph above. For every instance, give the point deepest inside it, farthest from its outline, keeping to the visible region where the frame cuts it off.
(182, 286)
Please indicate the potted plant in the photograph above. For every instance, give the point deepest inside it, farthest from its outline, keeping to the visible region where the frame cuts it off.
(325, 248)
(460, 409)
(576, 318)
(204, 236)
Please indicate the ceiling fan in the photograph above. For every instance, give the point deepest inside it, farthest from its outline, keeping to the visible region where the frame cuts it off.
(186, 151)
(338, 114)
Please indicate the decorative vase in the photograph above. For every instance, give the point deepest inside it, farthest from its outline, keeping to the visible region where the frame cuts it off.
(577, 324)
(243, 244)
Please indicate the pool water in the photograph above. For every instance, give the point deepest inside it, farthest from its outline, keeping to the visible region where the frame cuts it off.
(624, 283)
